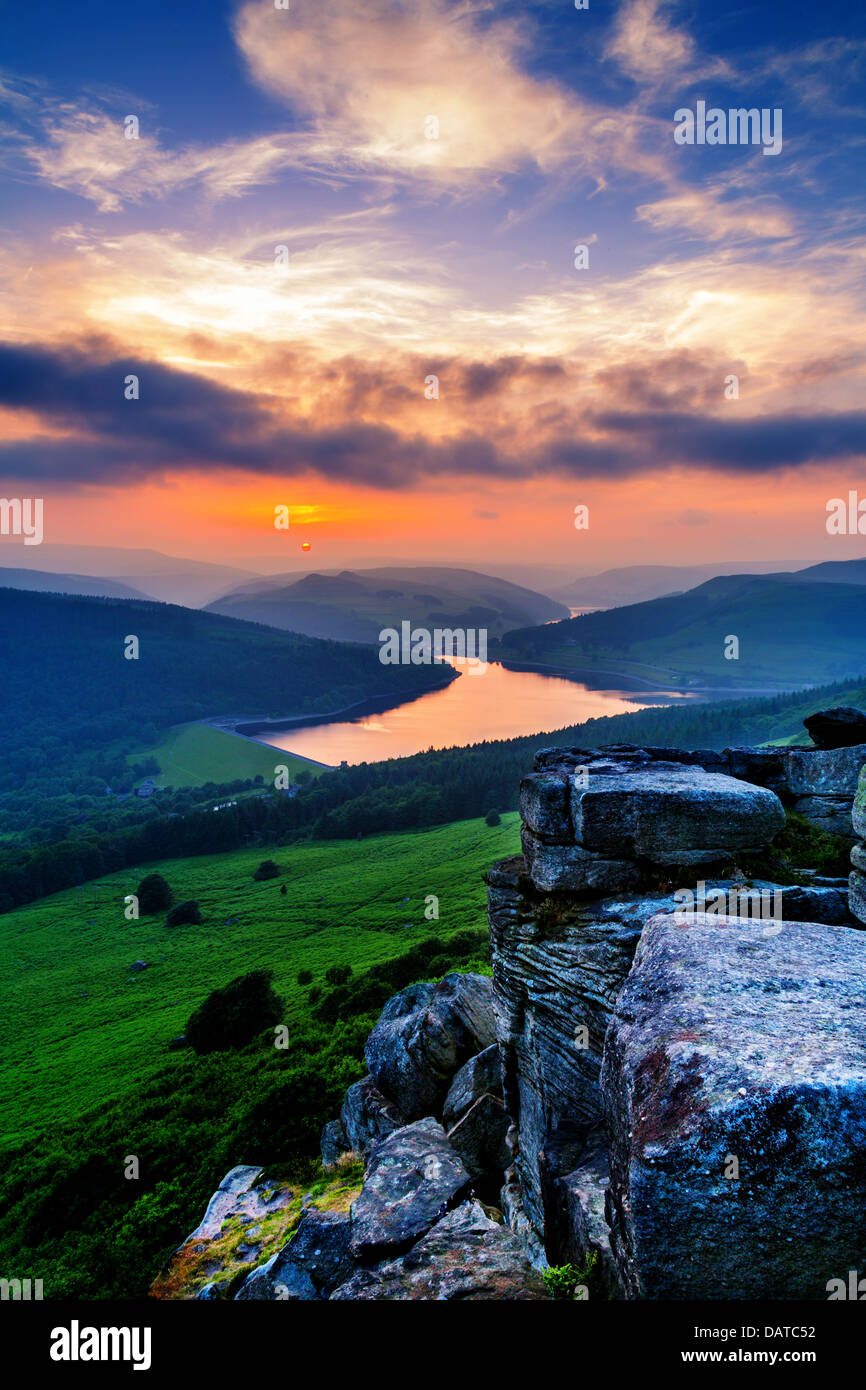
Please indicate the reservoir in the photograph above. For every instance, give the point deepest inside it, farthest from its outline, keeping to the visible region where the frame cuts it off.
(493, 704)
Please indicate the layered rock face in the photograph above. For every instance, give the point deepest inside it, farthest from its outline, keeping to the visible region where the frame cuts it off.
(857, 881)
(734, 1081)
(596, 824)
(587, 1053)
(823, 784)
(819, 782)
(561, 952)
(558, 966)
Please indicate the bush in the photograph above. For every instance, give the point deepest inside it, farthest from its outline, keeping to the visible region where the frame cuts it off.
(154, 895)
(288, 1119)
(305, 977)
(801, 845)
(267, 869)
(232, 1016)
(370, 991)
(492, 818)
(188, 911)
(440, 965)
(337, 975)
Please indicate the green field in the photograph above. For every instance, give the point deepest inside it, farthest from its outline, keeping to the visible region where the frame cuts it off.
(80, 1029)
(192, 754)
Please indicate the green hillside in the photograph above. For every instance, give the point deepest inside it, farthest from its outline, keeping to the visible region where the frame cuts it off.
(192, 754)
(86, 1077)
(789, 632)
(74, 707)
(80, 1028)
(70, 666)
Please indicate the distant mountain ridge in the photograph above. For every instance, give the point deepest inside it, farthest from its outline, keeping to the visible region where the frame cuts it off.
(638, 583)
(355, 605)
(790, 627)
(150, 573)
(45, 581)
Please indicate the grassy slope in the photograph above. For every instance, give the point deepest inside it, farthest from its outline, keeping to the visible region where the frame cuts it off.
(192, 754)
(81, 1028)
(786, 631)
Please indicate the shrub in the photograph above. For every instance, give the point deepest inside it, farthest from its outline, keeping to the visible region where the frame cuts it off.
(368, 992)
(801, 845)
(561, 1280)
(288, 1118)
(492, 818)
(337, 975)
(188, 911)
(305, 977)
(267, 869)
(232, 1016)
(154, 895)
(440, 965)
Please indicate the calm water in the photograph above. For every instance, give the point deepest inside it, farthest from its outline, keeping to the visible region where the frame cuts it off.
(495, 704)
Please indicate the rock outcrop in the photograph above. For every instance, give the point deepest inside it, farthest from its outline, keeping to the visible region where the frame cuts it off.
(415, 1231)
(424, 1036)
(837, 728)
(823, 784)
(245, 1221)
(663, 1086)
(315, 1261)
(564, 934)
(628, 809)
(466, 1255)
(367, 1116)
(413, 1177)
(607, 823)
(432, 1056)
(818, 782)
(734, 1083)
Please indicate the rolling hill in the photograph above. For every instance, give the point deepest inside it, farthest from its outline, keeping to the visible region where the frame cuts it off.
(792, 629)
(355, 605)
(167, 578)
(74, 708)
(69, 665)
(640, 583)
(47, 582)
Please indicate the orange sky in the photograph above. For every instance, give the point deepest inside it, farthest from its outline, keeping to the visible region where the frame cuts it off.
(300, 380)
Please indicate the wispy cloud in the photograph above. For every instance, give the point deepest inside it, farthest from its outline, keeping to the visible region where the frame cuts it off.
(651, 48)
(86, 152)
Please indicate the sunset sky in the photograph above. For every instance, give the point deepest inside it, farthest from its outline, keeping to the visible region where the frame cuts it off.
(304, 384)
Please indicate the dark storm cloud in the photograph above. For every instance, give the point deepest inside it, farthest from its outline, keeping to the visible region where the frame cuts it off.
(475, 380)
(759, 445)
(186, 421)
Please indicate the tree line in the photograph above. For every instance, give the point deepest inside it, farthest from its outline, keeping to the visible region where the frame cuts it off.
(426, 789)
